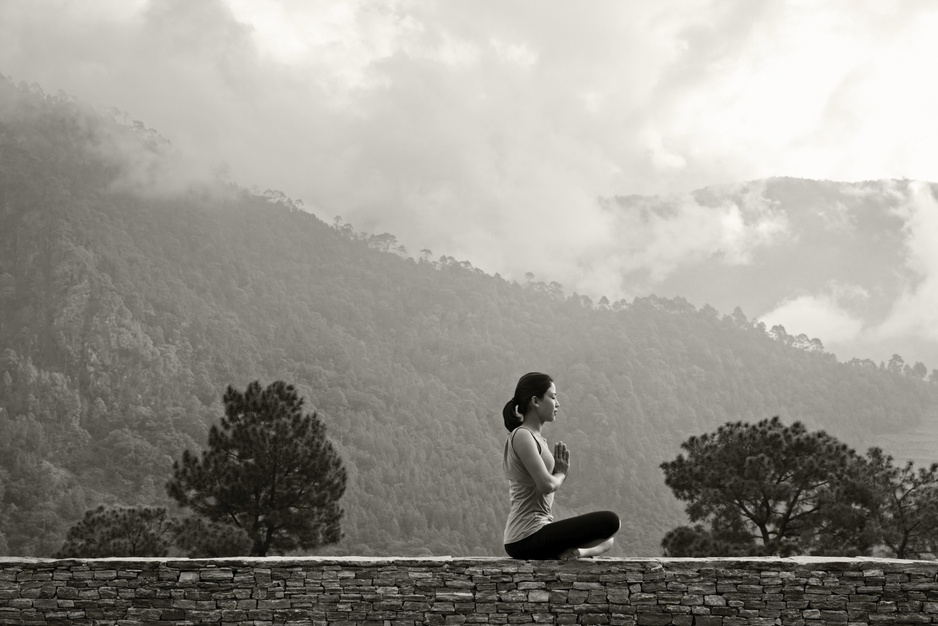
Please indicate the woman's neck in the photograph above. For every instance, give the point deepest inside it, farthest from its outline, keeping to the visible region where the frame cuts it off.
(533, 424)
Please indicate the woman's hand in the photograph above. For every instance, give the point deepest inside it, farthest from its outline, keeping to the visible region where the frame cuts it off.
(561, 458)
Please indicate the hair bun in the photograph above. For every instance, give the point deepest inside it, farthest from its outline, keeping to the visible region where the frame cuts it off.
(510, 415)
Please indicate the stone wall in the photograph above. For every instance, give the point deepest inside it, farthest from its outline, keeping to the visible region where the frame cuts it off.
(391, 592)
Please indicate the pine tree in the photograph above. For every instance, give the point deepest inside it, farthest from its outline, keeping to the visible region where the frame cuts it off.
(119, 531)
(199, 537)
(269, 470)
(779, 489)
(906, 505)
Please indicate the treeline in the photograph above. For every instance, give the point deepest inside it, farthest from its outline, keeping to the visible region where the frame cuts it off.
(125, 312)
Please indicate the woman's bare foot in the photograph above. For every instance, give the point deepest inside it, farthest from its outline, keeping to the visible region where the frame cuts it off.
(589, 550)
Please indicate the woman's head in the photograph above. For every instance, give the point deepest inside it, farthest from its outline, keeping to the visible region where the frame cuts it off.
(530, 386)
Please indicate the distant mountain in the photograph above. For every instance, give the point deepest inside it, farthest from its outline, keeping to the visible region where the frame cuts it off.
(131, 295)
(851, 263)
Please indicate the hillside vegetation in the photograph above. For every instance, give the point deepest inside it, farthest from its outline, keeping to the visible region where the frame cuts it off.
(127, 305)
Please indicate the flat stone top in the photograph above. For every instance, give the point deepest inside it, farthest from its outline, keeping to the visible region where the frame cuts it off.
(488, 561)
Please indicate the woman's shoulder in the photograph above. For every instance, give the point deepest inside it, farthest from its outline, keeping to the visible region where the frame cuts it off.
(528, 431)
(537, 438)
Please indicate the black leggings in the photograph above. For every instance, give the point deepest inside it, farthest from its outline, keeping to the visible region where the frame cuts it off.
(574, 532)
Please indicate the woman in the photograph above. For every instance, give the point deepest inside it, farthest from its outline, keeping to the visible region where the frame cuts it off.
(534, 474)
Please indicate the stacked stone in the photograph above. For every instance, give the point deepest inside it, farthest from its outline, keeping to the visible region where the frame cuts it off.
(407, 592)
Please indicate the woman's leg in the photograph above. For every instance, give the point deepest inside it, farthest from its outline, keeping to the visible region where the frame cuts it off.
(583, 535)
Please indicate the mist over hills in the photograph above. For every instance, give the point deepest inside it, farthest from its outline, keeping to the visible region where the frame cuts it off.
(846, 262)
(134, 289)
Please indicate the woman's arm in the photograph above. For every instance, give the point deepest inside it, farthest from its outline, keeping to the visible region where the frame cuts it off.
(526, 448)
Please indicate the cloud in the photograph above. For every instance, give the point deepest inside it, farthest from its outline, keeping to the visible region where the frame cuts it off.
(487, 130)
(817, 315)
(146, 164)
(652, 238)
(915, 311)
(846, 316)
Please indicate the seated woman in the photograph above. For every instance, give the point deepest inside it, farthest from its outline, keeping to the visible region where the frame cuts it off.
(534, 474)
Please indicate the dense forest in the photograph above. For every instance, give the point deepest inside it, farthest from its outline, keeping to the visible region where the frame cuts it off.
(128, 305)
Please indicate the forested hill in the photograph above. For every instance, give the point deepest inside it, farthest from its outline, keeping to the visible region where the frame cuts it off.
(128, 304)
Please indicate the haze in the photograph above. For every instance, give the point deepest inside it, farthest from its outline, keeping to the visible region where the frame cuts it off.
(488, 130)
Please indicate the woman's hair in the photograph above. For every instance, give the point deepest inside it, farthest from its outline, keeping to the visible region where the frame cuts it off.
(533, 384)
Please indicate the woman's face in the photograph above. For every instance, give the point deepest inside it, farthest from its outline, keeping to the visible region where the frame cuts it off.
(547, 406)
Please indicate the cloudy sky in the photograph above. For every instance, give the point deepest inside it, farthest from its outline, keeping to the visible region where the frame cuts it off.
(487, 129)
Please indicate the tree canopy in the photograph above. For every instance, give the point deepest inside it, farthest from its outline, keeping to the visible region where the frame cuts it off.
(768, 488)
(770, 478)
(119, 531)
(906, 508)
(269, 470)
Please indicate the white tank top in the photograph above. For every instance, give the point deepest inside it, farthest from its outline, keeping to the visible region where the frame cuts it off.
(530, 509)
